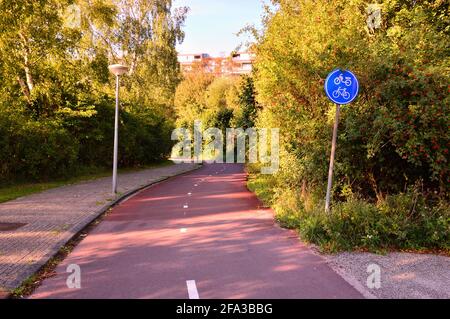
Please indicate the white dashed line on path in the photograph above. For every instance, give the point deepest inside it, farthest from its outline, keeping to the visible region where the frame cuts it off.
(192, 289)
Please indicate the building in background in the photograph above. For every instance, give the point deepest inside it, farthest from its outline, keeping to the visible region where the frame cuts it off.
(235, 64)
(189, 62)
(242, 62)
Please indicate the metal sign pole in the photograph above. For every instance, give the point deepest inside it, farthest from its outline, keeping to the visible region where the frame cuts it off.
(341, 87)
(333, 151)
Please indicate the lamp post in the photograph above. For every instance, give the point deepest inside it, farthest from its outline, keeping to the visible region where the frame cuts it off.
(117, 70)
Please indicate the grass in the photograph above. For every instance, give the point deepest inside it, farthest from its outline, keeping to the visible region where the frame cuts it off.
(14, 190)
(261, 185)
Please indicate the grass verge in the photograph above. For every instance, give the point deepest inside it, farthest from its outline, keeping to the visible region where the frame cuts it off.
(402, 222)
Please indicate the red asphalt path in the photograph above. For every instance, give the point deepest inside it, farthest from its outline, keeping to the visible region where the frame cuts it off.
(204, 226)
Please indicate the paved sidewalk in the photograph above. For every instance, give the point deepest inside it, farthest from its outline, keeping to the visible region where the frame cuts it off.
(49, 219)
(403, 275)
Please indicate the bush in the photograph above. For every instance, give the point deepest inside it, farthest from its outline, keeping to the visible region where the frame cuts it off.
(392, 136)
(55, 114)
(403, 221)
(144, 137)
(35, 150)
(58, 147)
(396, 131)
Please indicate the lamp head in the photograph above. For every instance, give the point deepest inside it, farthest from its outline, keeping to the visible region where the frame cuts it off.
(118, 69)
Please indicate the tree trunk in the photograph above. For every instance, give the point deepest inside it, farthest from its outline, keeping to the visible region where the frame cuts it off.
(373, 182)
(133, 63)
(25, 90)
(26, 64)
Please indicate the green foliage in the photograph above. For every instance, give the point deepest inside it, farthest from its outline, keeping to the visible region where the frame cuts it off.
(261, 185)
(396, 132)
(56, 109)
(393, 136)
(403, 221)
(190, 97)
(39, 150)
(247, 108)
(218, 111)
(34, 149)
(221, 102)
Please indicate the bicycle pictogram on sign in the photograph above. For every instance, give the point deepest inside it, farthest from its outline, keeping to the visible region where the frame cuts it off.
(341, 86)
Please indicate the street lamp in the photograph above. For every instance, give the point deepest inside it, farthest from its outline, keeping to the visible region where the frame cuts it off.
(117, 70)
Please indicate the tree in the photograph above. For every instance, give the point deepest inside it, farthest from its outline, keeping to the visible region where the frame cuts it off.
(190, 98)
(395, 132)
(147, 34)
(55, 82)
(246, 112)
(33, 33)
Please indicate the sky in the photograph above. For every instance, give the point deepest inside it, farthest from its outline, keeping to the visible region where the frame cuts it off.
(211, 25)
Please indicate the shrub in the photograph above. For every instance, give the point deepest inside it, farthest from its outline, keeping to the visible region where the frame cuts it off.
(58, 147)
(402, 221)
(392, 136)
(407, 220)
(396, 132)
(36, 150)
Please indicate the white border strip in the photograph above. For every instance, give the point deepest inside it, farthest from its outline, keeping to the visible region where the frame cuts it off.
(192, 289)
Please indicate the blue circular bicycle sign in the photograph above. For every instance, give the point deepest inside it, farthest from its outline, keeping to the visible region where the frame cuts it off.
(342, 87)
